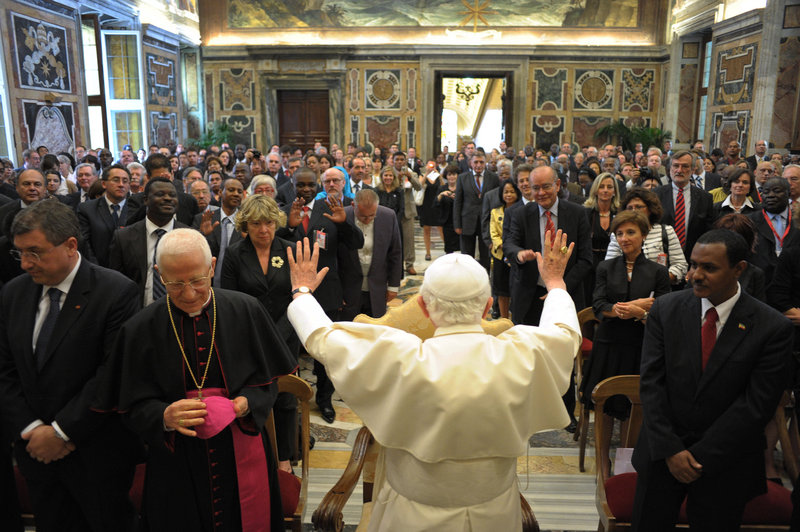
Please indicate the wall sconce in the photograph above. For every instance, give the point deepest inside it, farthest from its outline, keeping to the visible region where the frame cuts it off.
(466, 91)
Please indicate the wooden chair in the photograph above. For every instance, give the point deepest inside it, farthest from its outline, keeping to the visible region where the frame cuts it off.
(588, 322)
(364, 457)
(766, 512)
(786, 420)
(302, 391)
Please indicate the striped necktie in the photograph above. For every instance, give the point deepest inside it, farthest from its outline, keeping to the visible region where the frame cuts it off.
(680, 218)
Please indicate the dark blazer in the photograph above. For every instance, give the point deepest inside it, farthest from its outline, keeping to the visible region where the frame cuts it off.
(215, 238)
(329, 293)
(187, 208)
(128, 253)
(97, 228)
(281, 179)
(719, 413)
(613, 286)
(468, 205)
(7, 213)
(765, 256)
(701, 214)
(491, 200)
(241, 271)
(711, 181)
(286, 193)
(64, 389)
(523, 233)
(385, 270)
(784, 292)
(720, 211)
(73, 200)
(752, 163)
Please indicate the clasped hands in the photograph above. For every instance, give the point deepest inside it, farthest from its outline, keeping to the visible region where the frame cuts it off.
(186, 413)
(45, 445)
(635, 309)
(684, 467)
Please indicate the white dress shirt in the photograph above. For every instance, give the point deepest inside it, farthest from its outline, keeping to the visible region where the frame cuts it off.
(723, 309)
(152, 238)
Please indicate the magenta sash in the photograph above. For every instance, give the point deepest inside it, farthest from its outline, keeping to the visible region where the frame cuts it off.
(251, 472)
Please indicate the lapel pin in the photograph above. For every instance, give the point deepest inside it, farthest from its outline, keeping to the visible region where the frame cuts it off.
(742, 327)
(77, 307)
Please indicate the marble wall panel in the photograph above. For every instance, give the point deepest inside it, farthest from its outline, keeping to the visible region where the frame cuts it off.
(728, 126)
(637, 121)
(411, 89)
(547, 130)
(352, 88)
(686, 102)
(784, 118)
(160, 80)
(735, 72)
(209, 87)
(47, 125)
(411, 132)
(637, 89)
(382, 130)
(382, 89)
(237, 90)
(594, 89)
(243, 129)
(549, 88)
(584, 128)
(163, 128)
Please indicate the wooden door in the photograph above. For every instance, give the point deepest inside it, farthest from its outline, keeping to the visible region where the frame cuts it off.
(303, 118)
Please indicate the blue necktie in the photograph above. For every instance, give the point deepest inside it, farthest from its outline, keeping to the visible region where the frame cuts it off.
(47, 327)
(158, 287)
(115, 215)
(777, 221)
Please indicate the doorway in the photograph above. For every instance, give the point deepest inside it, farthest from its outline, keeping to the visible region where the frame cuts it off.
(472, 106)
(303, 118)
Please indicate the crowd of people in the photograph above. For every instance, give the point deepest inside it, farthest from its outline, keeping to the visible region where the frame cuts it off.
(160, 228)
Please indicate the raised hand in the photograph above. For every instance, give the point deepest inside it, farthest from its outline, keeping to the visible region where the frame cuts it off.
(296, 213)
(553, 259)
(337, 210)
(303, 271)
(206, 226)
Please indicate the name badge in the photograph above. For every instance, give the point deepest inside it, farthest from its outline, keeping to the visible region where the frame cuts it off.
(321, 238)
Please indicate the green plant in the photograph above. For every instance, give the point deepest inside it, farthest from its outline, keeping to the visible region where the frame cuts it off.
(628, 137)
(216, 133)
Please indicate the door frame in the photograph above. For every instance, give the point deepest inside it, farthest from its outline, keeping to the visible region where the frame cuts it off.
(334, 83)
(436, 67)
(438, 103)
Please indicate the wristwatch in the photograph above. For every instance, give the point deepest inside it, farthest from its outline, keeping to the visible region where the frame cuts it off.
(301, 290)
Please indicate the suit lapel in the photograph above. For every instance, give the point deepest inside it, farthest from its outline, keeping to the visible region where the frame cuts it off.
(277, 250)
(316, 215)
(28, 307)
(140, 244)
(74, 305)
(102, 212)
(252, 263)
(690, 341)
(736, 328)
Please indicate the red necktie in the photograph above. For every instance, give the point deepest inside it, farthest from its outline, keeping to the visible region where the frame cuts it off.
(549, 226)
(306, 216)
(708, 334)
(680, 218)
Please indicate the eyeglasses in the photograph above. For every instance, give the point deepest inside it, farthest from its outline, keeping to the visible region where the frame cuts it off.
(176, 287)
(331, 181)
(34, 256)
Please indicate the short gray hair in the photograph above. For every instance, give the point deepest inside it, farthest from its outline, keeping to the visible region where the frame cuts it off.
(90, 165)
(134, 166)
(366, 196)
(263, 179)
(183, 241)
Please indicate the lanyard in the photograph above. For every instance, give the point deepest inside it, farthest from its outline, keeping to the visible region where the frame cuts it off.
(774, 232)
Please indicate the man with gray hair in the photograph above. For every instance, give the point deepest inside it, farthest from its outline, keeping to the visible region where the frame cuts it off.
(456, 410)
(193, 376)
(371, 275)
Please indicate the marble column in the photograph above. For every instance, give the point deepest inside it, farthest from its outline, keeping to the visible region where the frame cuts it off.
(766, 73)
(670, 122)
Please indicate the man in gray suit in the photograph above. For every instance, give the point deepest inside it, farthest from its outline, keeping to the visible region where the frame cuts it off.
(370, 276)
(468, 204)
(410, 183)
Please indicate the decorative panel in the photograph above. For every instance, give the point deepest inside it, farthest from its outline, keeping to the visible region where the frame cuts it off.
(41, 54)
(549, 88)
(382, 131)
(243, 129)
(547, 130)
(584, 128)
(735, 71)
(352, 87)
(163, 128)
(411, 89)
(48, 125)
(637, 88)
(784, 119)
(686, 102)
(160, 75)
(594, 89)
(730, 126)
(236, 90)
(382, 89)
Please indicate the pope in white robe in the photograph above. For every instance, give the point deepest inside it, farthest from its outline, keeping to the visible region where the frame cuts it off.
(455, 411)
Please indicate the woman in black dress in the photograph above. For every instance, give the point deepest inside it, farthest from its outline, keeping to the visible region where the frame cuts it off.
(258, 266)
(429, 215)
(444, 203)
(601, 207)
(390, 194)
(625, 289)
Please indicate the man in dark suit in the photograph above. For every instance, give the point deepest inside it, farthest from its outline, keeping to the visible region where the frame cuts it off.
(324, 222)
(133, 248)
(524, 238)
(157, 165)
(370, 276)
(275, 169)
(30, 188)
(219, 226)
(682, 201)
(57, 326)
(702, 179)
(759, 156)
(468, 204)
(286, 193)
(707, 394)
(469, 150)
(775, 232)
(413, 161)
(358, 170)
(101, 217)
(85, 176)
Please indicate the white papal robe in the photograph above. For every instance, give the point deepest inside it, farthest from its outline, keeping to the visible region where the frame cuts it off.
(452, 413)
